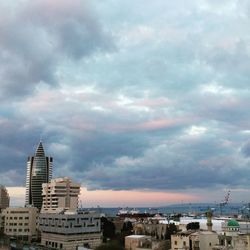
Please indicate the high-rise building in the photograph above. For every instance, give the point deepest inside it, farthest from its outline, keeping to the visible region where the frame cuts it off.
(4, 198)
(61, 224)
(39, 171)
(60, 194)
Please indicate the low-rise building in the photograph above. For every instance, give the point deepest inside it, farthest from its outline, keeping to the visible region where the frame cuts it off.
(69, 230)
(151, 227)
(232, 237)
(21, 223)
(236, 242)
(194, 240)
(180, 241)
(203, 240)
(145, 242)
(133, 242)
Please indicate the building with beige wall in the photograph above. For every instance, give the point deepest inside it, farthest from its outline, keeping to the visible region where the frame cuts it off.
(60, 194)
(145, 242)
(203, 240)
(151, 227)
(180, 241)
(69, 230)
(239, 242)
(21, 223)
(4, 198)
(133, 242)
(194, 240)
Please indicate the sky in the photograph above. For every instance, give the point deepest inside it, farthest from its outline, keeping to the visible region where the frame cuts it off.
(142, 102)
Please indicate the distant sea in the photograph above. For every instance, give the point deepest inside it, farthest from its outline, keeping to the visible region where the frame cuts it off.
(187, 208)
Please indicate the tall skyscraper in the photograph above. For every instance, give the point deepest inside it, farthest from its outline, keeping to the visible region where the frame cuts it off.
(39, 171)
(4, 198)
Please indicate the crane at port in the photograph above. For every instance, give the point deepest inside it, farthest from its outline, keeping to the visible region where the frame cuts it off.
(225, 201)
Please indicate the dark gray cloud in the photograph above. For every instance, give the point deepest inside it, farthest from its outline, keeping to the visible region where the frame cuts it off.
(198, 164)
(40, 35)
(246, 149)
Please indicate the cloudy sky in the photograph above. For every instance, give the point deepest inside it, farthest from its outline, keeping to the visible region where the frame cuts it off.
(142, 102)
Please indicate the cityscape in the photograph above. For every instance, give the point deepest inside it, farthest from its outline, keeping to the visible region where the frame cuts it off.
(125, 125)
(53, 218)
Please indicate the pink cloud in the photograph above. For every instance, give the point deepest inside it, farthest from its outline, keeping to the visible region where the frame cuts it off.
(158, 124)
(111, 198)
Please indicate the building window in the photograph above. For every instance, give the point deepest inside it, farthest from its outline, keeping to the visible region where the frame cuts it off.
(175, 242)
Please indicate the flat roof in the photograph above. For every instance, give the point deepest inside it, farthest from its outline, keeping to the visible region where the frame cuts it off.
(138, 236)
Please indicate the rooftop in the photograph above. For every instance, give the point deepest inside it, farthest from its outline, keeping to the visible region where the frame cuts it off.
(233, 223)
(134, 236)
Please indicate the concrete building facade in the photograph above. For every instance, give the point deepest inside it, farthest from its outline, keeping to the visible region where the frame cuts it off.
(69, 230)
(60, 194)
(21, 223)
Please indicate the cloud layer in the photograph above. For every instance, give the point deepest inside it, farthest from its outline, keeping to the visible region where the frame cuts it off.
(127, 95)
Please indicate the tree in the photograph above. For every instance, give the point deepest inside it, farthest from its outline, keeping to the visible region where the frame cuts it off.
(127, 230)
(193, 226)
(108, 228)
(171, 229)
(113, 245)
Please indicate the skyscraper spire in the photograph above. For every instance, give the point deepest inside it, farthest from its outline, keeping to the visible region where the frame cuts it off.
(40, 150)
(39, 171)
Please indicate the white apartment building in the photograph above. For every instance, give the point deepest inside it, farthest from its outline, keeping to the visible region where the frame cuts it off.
(69, 230)
(21, 223)
(60, 194)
